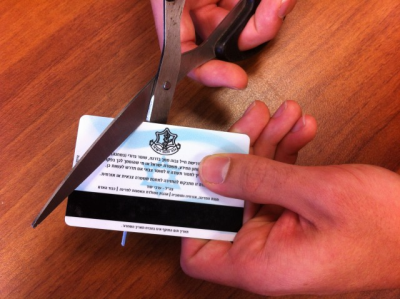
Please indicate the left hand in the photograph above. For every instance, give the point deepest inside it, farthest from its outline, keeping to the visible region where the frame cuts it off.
(279, 137)
(203, 16)
(315, 229)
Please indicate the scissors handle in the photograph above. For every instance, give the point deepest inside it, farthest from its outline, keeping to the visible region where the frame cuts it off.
(227, 47)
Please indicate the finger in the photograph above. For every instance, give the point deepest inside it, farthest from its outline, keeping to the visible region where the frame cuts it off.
(252, 124)
(158, 15)
(190, 246)
(207, 17)
(206, 260)
(261, 27)
(228, 4)
(265, 23)
(264, 181)
(253, 121)
(286, 134)
(216, 73)
(223, 262)
(270, 213)
(300, 135)
(188, 33)
(278, 127)
(250, 210)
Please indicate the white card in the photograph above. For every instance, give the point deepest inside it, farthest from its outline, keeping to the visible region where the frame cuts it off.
(150, 184)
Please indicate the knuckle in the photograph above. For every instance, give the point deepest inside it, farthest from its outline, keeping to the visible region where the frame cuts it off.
(253, 177)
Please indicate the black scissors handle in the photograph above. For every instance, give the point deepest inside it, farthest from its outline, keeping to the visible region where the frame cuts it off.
(227, 47)
(223, 41)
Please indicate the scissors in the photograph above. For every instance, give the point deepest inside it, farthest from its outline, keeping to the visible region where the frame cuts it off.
(153, 102)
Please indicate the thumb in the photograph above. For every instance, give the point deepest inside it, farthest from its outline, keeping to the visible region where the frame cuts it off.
(264, 181)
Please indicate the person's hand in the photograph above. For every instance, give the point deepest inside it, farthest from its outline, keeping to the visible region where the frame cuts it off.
(316, 230)
(202, 16)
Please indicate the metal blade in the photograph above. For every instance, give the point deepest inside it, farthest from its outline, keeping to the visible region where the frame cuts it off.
(168, 72)
(137, 111)
(206, 51)
(133, 115)
(112, 137)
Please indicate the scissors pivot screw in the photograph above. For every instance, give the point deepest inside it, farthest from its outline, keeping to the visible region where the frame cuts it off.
(167, 85)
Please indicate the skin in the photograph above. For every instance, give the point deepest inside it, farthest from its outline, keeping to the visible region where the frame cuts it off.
(202, 16)
(307, 230)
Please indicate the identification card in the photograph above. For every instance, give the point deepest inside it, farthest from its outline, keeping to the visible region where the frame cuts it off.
(150, 184)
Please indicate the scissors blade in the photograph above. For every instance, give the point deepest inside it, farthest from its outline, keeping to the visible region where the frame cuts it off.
(208, 49)
(112, 137)
(136, 111)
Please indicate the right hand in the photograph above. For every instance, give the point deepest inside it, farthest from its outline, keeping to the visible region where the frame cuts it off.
(203, 16)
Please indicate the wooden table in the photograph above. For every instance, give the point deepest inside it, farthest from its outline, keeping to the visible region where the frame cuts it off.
(62, 59)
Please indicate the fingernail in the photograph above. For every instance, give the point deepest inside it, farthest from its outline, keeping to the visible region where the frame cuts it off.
(280, 110)
(301, 123)
(213, 169)
(285, 8)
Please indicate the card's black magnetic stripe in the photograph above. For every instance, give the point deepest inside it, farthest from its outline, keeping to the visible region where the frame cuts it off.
(154, 211)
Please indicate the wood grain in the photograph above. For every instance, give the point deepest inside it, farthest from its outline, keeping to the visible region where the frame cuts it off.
(63, 59)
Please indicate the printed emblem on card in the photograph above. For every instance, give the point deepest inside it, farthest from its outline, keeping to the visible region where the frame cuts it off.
(165, 143)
